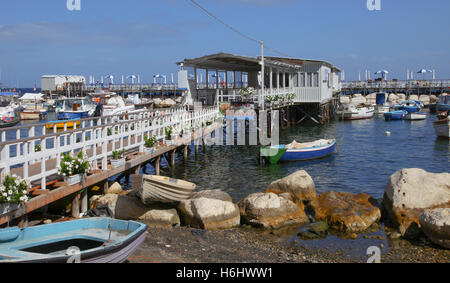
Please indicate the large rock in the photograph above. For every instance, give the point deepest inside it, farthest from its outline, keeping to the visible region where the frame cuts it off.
(401, 96)
(371, 98)
(300, 185)
(115, 189)
(123, 207)
(425, 99)
(358, 99)
(213, 194)
(393, 98)
(166, 218)
(346, 212)
(436, 225)
(209, 214)
(433, 98)
(344, 99)
(409, 192)
(270, 211)
(168, 103)
(413, 97)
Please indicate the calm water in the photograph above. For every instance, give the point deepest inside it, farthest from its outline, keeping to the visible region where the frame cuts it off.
(365, 158)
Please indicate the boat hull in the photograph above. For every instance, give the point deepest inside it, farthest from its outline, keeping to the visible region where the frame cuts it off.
(308, 154)
(395, 115)
(31, 115)
(416, 116)
(62, 124)
(442, 128)
(13, 122)
(111, 246)
(67, 115)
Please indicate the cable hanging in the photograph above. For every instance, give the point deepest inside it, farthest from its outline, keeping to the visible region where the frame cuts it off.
(235, 30)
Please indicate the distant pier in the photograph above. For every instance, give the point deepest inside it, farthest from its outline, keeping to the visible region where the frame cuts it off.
(435, 87)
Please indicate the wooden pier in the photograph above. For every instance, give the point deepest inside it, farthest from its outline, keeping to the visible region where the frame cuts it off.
(98, 137)
(406, 87)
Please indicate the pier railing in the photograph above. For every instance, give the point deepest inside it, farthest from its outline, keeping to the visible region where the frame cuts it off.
(36, 156)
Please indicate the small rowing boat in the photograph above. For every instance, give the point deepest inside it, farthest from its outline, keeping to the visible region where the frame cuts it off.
(299, 151)
(416, 116)
(395, 115)
(442, 128)
(91, 240)
(152, 188)
(61, 124)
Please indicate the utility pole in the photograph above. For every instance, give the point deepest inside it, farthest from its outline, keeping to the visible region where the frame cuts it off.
(262, 98)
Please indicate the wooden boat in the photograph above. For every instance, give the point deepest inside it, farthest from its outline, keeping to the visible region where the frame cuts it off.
(152, 188)
(444, 102)
(61, 124)
(395, 115)
(98, 240)
(299, 151)
(7, 122)
(32, 115)
(416, 116)
(357, 113)
(442, 128)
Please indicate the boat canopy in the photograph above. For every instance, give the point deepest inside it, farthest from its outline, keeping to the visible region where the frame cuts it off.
(32, 96)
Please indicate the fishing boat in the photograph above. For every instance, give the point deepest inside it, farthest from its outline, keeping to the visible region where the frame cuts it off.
(34, 108)
(91, 240)
(353, 112)
(443, 103)
(416, 116)
(74, 108)
(299, 151)
(63, 124)
(442, 126)
(381, 106)
(152, 188)
(395, 115)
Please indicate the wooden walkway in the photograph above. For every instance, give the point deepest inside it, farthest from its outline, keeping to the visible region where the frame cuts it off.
(98, 137)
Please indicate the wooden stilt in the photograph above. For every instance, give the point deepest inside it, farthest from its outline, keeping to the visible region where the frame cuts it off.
(76, 206)
(172, 159)
(84, 201)
(157, 169)
(186, 151)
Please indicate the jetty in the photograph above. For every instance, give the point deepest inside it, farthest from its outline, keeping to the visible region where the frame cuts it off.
(407, 87)
(35, 157)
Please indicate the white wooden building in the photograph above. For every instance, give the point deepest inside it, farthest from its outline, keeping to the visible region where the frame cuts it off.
(220, 76)
(52, 83)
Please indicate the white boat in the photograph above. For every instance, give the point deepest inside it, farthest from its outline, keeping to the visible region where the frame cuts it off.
(34, 108)
(382, 109)
(442, 128)
(416, 116)
(353, 112)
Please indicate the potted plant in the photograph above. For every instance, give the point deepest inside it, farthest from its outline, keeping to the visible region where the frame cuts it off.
(13, 193)
(247, 92)
(118, 158)
(73, 168)
(169, 135)
(150, 144)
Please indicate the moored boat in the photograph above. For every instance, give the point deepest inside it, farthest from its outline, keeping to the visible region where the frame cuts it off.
(299, 151)
(410, 106)
(395, 115)
(416, 116)
(30, 114)
(443, 103)
(74, 108)
(62, 124)
(353, 112)
(7, 122)
(152, 188)
(91, 240)
(442, 128)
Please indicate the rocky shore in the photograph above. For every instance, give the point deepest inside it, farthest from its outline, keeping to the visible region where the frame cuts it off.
(411, 223)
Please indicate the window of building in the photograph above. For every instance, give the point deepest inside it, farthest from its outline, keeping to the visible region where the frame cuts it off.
(316, 79)
(302, 80)
(308, 79)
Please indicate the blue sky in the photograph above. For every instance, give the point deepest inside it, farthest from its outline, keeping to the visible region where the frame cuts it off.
(148, 36)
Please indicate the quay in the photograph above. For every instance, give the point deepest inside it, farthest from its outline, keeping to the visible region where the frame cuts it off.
(406, 87)
(98, 137)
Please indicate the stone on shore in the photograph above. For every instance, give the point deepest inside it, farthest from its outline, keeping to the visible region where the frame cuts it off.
(425, 99)
(413, 97)
(300, 185)
(344, 99)
(270, 211)
(358, 99)
(346, 212)
(433, 98)
(435, 224)
(168, 103)
(409, 192)
(209, 214)
(160, 217)
(313, 231)
(115, 189)
(123, 207)
(213, 194)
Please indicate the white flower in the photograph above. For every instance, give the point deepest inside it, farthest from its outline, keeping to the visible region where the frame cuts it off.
(24, 192)
(10, 192)
(5, 195)
(8, 198)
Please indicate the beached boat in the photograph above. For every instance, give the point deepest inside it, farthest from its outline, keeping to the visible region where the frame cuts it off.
(443, 103)
(353, 112)
(91, 240)
(395, 115)
(442, 128)
(62, 124)
(74, 108)
(299, 151)
(152, 188)
(416, 116)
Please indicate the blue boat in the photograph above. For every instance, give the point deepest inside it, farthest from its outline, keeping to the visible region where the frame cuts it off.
(395, 115)
(91, 240)
(299, 151)
(443, 103)
(74, 108)
(410, 106)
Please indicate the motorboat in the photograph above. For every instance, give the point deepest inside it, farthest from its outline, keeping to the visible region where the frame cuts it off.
(90, 240)
(299, 151)
(74, 108)
(442, 127)
(395, 115)
(33, 107)
(410, 106)
(353, 112)
(416, 116)
(443, 103)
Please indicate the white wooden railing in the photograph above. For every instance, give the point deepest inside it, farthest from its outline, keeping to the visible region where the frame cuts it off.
(98, 137)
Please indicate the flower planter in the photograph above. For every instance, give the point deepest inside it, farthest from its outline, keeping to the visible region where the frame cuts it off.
(149, 150)
(8, 207)
(73, 180)
(116, 163)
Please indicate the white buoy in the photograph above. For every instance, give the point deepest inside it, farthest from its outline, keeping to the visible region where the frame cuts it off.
(388, 133)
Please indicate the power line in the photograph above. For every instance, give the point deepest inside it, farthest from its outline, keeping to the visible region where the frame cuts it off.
(235, 30)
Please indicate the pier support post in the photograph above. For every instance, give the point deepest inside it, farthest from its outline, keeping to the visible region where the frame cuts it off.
(76, 206)
(185, 153)
(84, 201)
(172, 159)
(157, 169)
